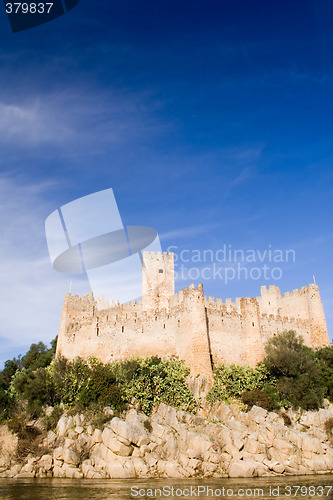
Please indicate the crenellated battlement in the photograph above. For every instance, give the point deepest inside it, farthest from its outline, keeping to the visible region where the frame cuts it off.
(188, 324)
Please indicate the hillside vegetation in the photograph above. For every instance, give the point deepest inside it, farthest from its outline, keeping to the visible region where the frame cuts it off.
(38, 385)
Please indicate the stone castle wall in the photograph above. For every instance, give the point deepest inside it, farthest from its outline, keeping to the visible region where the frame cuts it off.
(188, 325)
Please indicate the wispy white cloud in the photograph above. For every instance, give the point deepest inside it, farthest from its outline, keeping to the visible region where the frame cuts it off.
(244, 175)
(68, 119)
(30, 291)
(31, 123)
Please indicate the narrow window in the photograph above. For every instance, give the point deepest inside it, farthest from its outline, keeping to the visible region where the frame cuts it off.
(164, 326)
(122, 329)
(97, 331)
(252, 323)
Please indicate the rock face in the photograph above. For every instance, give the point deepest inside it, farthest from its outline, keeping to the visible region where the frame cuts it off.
(221, 442)
(8, 445)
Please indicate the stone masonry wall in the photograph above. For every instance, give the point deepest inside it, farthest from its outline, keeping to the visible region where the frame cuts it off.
(188, 325)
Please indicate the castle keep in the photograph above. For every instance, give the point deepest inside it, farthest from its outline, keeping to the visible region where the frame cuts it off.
(196, 329)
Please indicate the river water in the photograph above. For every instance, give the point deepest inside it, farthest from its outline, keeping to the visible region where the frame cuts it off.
(302, 487)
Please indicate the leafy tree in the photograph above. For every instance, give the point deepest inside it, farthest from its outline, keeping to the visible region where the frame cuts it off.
(35, 387)
(6, 375)
(286, 355)
(38, 356)
(299, 375)
(232, 381)
(70, 379)
(325, 359)
(25, 381)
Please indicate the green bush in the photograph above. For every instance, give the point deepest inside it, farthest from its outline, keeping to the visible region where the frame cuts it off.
(7, 402)
(79, 383)
(232, 381)
(325, 359)
(258, 397)
(145, 382)
(287, 356)
(299, 374)
(304, 391)
(35, 387)
(151, 381)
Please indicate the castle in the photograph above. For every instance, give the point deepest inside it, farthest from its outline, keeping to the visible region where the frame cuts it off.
(188, 325)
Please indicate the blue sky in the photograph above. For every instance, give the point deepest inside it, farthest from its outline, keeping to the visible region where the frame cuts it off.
(211, 120)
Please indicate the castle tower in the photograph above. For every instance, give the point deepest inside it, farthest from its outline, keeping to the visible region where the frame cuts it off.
(251, 331)
(270, 300)
(158, 283)
(319, 335)
(192, 338)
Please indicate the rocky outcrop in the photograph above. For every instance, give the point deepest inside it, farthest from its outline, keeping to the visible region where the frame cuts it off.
(8, 446)
(219, 442)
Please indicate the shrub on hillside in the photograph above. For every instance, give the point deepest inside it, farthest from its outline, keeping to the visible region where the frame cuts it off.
(80, 383)
(325, 359)
(299, 376)
(232, 381)
(154, 380)
(35, 388)
(258, 397)
(7, 402)
(146, 382)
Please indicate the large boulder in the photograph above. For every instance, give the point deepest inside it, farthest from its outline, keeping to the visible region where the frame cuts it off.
(102, 452)
(283, 446)
(71, 457)
(119, 448)
(242, 469)
(170, 448)
(8, 446)
(166, 415)
(58, 453)
(45, 463)
(140, 467)
(64, 424)
(58, 472)
(72, 472)
(316, 464)
(159, 431)
(170, 469)
(117, 471)
(96, 437)
(135, 434)
(232, 451)
(253, 446)
(257, 414)
(312, 444)
(151, 459)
